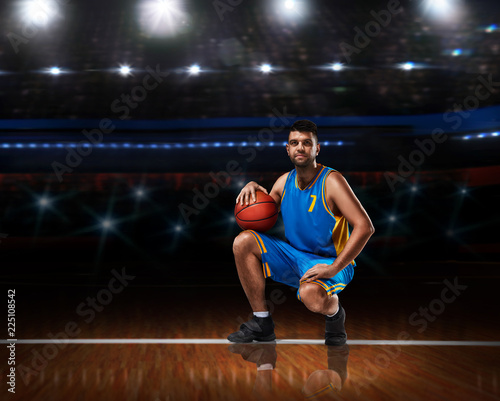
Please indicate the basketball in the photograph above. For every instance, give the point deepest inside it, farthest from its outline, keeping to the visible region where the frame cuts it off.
(260, 215)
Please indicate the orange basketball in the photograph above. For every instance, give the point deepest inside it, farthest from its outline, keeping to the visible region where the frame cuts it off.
(260, 215)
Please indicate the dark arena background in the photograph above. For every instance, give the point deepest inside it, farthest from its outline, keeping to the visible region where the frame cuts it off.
(128, 128)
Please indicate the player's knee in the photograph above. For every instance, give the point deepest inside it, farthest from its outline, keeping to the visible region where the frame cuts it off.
(313, 297)
(243, 242)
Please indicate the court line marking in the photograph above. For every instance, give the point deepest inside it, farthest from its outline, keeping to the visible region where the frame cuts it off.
(224, 341)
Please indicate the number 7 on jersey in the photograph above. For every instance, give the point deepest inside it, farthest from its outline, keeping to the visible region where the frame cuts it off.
(312, 203)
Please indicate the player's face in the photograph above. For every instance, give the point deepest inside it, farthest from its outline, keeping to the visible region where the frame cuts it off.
(302, 148)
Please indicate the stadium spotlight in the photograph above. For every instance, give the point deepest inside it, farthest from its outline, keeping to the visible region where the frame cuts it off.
(162, 17)
(443, 9)
(55, 71)
(38, 12)
(337, 66)
(107, 224)
(125, 70)
(407, 66)
(491, 28)
(441, 6)
(194, 69)
(43, 202)
(291, 9)
(266, 68)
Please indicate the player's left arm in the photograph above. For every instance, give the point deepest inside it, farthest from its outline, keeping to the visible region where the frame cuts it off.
(343, 201)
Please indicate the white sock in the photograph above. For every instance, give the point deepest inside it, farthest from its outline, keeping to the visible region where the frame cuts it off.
(261, 314)
(334, 313)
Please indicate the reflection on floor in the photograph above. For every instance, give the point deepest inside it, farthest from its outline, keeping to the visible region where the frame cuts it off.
(160, 372)
(440, 309)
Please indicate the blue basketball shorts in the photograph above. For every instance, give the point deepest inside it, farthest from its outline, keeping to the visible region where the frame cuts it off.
(285, 264)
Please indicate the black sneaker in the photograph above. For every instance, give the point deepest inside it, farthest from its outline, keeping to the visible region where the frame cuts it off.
(258, 329)
(334, 329)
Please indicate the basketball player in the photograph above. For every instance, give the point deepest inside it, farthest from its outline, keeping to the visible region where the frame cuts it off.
(317, 205)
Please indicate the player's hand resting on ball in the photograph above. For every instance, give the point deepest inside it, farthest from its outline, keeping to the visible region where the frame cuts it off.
(248, 193)
(321, 270)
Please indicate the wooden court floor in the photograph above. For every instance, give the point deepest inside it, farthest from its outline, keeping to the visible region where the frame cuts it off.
(168, 343)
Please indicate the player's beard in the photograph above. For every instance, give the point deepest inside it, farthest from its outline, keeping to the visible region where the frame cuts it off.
(304, 162)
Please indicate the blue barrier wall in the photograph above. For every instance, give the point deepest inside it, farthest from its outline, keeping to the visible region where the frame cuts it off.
(465, 121)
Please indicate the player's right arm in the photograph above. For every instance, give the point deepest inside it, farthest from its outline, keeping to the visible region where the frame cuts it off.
(247, 193)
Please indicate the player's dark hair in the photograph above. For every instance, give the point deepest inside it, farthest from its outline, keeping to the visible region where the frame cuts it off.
(305, 126)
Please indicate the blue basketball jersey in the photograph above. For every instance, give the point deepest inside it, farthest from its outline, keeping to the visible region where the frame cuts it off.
(310, 225)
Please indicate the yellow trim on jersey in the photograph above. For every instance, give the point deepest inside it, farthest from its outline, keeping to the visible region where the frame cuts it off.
(340, 232)
(323, 194)
(284, 187)
(321, 284)
(329, 290)
(265, 266)
(267, 271)
(312, 183)
(259, 241)
(336, 285)
(317, 176)
(336, 288)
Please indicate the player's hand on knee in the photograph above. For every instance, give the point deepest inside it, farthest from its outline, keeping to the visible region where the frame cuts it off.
(247, 193)
(321, 270)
